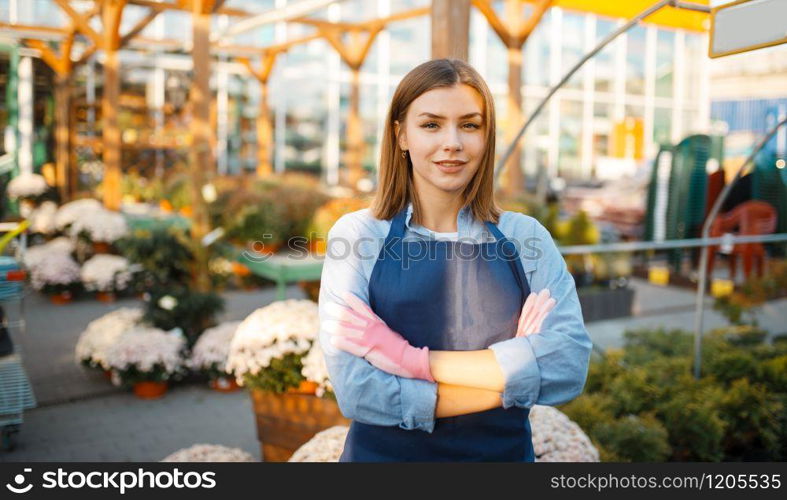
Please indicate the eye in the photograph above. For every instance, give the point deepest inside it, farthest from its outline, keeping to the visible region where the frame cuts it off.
(473, 125)
(427, 125)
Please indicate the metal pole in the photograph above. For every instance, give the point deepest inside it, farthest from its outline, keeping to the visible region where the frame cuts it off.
(606, 41)
(714, 211)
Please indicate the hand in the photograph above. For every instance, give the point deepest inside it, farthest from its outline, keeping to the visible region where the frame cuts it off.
(361, 332)
(536, 308)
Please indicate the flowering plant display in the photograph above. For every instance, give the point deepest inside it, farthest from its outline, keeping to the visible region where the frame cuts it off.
(270, 343)
(145, 354)
(183, 308)
(27, 186)
(34, 255)
(55, 273)
(106, 273)
(42, 219)
(74, 210)
(209, 453)
(209, 354)
(100, 226)
(315, 370)
(102, 333)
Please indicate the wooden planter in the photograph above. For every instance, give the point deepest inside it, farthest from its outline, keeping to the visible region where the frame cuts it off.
(286, 421)
(599, 305)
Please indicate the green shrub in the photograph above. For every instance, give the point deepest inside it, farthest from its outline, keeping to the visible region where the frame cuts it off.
(730, 366)
(634, 393)
(696, 429)
(590, 410)
(633, 438)
(183, 308)
(603, 370)
(162, 254)
(646, 345)
(752, 416)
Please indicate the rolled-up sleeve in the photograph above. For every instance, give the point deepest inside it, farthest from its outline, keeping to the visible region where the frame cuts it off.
(548, 368)
(365, 393)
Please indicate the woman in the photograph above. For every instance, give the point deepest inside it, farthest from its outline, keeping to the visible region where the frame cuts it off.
(459, 338)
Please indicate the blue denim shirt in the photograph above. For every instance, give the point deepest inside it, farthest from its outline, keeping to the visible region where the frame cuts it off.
(548, 368)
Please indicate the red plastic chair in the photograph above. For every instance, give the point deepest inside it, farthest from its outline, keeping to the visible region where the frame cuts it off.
(749, 218)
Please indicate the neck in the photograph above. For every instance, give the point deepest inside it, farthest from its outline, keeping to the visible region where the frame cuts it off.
(439, 210)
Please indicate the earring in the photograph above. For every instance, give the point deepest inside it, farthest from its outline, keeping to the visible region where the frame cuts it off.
(404, 154)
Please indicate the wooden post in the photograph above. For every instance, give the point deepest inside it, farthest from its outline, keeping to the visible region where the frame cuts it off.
(450, 28)
(355, 131)
(112, 11)
(62, 107)
(514, 176)
(264, 134)
(200, 160)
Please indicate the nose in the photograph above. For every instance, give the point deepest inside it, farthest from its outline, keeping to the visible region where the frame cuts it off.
(453, 140)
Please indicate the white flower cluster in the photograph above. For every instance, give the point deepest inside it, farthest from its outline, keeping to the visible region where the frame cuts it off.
(209, 453)
(55, 268)
(72, 211)
(271, 332)
(325, 446)
(315, 369)
(36, 254)
(104, 332)
(100, 225)
(106, 273)
(27, 185)
(213, 346)
(42, 219)
(144, 347)
(556, 438)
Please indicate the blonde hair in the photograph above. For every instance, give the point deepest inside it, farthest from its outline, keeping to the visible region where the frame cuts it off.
(395, 187)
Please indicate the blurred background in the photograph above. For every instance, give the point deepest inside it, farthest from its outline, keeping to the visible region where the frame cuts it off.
(170, 171)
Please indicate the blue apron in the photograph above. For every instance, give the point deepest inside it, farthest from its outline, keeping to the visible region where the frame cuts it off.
(449, 296)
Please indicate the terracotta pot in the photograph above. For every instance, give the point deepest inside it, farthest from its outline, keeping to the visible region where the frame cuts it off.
(106, 297)
(305, 387)
(150, 390)
(240, 269)
(101, 247)
(224, 384)
(108, 374)
(286, 421)
(61, 298)
(165, 206)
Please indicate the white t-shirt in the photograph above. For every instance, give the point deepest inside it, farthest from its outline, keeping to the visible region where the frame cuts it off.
(446, 236)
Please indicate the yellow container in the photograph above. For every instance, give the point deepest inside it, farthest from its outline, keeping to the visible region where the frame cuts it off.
(721, 287)
(659, 276)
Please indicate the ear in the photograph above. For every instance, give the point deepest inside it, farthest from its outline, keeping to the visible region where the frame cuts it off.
(400, 136)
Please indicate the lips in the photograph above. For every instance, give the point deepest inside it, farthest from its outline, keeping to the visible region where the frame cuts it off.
(450, 166)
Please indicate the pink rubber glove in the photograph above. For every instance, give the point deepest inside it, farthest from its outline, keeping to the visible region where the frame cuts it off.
(536, 308)
(362, 333)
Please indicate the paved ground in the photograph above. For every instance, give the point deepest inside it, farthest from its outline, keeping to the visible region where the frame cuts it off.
(81, 417)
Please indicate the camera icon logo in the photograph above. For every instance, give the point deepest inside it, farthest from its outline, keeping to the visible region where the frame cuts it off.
(19, 479)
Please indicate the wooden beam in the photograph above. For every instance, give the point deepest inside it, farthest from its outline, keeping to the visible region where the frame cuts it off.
(81, 22)
(141, 25)
(47, 54)
(485, 7)
(112, 11)
(34, 29)
(539, 9)
(185, 7)
(450, 28)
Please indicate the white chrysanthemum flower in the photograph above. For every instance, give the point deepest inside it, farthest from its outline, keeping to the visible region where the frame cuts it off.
(167, 302)
(42, 219)
(315, 369)
(38, 253)
(54, 269)
(213, 346)
(27, 185)
(100, 225)
(72, 211)
(145, 347)
(209, 453)
(271, 332)
(103, 332)
(557, 438)
(106, 273)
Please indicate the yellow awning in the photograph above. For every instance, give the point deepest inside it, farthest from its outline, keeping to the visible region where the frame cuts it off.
(667, 16)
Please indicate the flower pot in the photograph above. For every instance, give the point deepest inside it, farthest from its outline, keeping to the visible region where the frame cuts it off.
(101, 247)
(108, 374)
(150, 390)
(61, 298)
(286, 421)
(240, 270)
(224, 384)
(305, 387)
(106, 297)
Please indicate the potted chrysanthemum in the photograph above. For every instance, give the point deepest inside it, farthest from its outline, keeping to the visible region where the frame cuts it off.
(55, 274)
(101, 228)
(209, 356)
(27, 188)
(266, 355)
(147, 359)
(106, 275)
(101, 334)
(209, 453)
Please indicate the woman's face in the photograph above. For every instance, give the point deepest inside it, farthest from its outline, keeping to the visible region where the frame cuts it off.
(445, 135)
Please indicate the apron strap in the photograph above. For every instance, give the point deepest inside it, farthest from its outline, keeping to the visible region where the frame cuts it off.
(509, 249)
